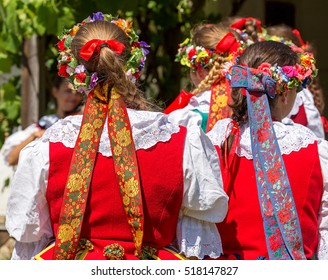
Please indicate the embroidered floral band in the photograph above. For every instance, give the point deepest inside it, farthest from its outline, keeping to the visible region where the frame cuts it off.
(81, 169)
(281, 223)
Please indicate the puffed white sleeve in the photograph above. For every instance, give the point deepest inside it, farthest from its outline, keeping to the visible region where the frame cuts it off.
(204, 201)
(322, 252)
(27, 218)
(17, 138)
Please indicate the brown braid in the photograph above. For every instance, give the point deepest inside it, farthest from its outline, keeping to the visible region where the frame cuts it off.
(108, 65)
(318, 95)
(252, 30)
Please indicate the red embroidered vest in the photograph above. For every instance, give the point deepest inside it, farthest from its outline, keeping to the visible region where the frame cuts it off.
(242, 231)
(105, 221)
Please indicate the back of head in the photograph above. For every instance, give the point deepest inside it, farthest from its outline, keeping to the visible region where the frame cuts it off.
(274, 53)
(284, 31)
(247, 25)
(105, 51)
(206, 38)
(107, 63)
(208, 35)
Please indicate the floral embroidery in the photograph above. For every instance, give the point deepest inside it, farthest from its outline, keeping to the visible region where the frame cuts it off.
(271, 177)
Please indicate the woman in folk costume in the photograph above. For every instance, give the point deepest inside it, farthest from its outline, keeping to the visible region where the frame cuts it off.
(309, 105)
(119, 182)
(208, 54)
(275, 174)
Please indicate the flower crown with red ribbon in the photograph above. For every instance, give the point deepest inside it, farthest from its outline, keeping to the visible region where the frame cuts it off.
(195, 57)
(290, 77)
(81, 79)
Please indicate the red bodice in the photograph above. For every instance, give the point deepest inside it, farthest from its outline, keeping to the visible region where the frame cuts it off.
(105, 221)
(242, 231)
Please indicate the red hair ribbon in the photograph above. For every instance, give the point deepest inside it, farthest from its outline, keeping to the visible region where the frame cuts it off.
(298, 35)
(94, 46)
(240, 24)
(227, 43)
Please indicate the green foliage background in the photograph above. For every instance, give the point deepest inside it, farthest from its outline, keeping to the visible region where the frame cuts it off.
(164, 24)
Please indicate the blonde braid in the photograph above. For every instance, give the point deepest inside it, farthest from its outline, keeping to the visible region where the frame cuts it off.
(214, 73)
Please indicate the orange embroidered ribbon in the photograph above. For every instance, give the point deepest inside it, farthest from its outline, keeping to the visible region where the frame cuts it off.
(81, 169)
(126, 166)
(220, 97)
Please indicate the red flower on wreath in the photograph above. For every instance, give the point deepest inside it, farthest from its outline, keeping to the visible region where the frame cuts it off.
(62, 71)
(81, 77)
(61, 45)
(191, 53)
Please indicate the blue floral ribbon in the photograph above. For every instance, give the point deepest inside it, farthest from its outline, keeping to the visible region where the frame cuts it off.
(280, 219)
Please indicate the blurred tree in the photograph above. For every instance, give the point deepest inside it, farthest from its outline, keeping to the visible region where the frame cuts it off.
(164, 24)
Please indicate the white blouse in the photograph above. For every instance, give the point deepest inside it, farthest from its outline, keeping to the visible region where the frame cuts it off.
(305, 98)
(204, 201)
(291, 138)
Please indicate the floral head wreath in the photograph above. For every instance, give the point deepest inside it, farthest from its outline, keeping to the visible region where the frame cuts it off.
(195, 57)
(290, 77)
(81, 79)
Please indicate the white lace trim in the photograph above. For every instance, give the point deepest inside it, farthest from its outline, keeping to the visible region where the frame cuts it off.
(291, 137)
(148, 128)
(198, 239)
(322, 253)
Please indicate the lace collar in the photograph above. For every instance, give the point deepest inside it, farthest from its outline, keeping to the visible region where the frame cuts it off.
(291, 137)
(148, 128)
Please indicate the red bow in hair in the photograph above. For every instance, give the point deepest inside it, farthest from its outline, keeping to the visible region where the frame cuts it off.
(240, 24)
(298, 35)
(94, 46)
(227, 43)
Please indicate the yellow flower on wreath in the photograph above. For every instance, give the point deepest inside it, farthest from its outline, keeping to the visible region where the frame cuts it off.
(65, 233)
(123, 137)
(131, 187)
(87, 132)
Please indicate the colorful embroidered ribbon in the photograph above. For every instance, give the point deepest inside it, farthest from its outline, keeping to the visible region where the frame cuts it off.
(281, 224)
(220, 97)
(81, 169)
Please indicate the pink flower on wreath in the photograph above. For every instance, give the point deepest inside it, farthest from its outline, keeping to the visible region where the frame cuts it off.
(275, 242)
(302, 72)
(290, 71)
(284, 216)
(265, 67)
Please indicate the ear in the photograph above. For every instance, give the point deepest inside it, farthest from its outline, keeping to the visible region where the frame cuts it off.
(284, 97)
(201, 73)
